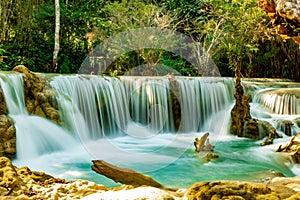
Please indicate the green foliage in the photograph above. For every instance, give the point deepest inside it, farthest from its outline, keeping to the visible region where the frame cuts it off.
(179, 64)
(237, 34)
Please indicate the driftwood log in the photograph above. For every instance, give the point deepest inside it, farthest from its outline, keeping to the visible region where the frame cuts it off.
(124, 175)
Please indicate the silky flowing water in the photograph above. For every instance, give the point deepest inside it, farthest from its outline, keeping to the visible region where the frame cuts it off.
(133, 122)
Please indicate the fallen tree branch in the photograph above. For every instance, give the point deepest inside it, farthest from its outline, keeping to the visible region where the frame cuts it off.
(123, 175)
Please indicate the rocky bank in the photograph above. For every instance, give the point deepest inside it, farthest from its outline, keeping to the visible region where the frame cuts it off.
(39, 100)
(22, 183)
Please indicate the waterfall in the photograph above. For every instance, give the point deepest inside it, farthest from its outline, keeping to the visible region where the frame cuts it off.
(279, 101)
(201, 98)
(133, 122)
(12, 86)
(138, 106)
(35, 135)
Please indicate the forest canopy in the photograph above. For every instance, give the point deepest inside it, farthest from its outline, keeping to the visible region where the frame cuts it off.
(234, 33)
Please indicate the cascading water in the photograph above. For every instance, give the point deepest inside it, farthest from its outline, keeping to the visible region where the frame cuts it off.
(110, 106)
(280, 101)
(146, 123)
(35, 135)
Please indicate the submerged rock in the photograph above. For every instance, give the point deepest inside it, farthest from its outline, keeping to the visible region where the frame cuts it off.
(38, 98)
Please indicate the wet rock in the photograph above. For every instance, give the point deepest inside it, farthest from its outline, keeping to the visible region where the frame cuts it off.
(252, 130)
(297, 121)
(38, 98)
(240, 113)
(8, 136)
(285, 126)
(2, 103)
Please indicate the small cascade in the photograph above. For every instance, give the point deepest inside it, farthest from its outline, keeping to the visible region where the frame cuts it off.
(138, 106)
(149, 101)
(35, 135)
(201, 98)
(280, 101)
(12, 86)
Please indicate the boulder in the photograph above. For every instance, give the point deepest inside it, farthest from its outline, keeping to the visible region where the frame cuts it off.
(268, 130)
(8, 136)
(39, 99)
(251, 130)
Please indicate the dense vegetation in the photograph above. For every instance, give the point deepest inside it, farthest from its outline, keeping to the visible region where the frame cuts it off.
(235, 33)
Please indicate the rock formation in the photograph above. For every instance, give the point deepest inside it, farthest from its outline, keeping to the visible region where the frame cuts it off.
(22, 183)
(8, 136)
(38, 99)
(240, 113)
(7, 131)
(242, 124)
(276, 189)
(285, 15)
(292, 148)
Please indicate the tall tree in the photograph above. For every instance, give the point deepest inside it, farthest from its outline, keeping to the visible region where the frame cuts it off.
(56, 37)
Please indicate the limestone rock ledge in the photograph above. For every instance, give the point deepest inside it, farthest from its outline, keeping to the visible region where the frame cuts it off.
(22, 183)
(8, 136)
(38, 98)
(276, 189)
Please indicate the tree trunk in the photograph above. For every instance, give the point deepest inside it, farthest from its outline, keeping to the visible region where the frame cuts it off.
(56, 37)
(124, 175)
